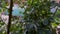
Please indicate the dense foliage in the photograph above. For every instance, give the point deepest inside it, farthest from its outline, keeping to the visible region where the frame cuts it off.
(38, 12)
(37, 18)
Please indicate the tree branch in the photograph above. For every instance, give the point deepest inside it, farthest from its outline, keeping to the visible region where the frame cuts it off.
(10, 15)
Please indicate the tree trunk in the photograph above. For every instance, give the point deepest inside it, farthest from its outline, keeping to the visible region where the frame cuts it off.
(10, 15)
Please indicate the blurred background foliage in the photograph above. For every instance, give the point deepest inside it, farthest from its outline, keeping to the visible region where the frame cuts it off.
(37, 18)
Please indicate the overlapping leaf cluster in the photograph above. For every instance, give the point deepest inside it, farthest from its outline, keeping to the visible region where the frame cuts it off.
(38, 11)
